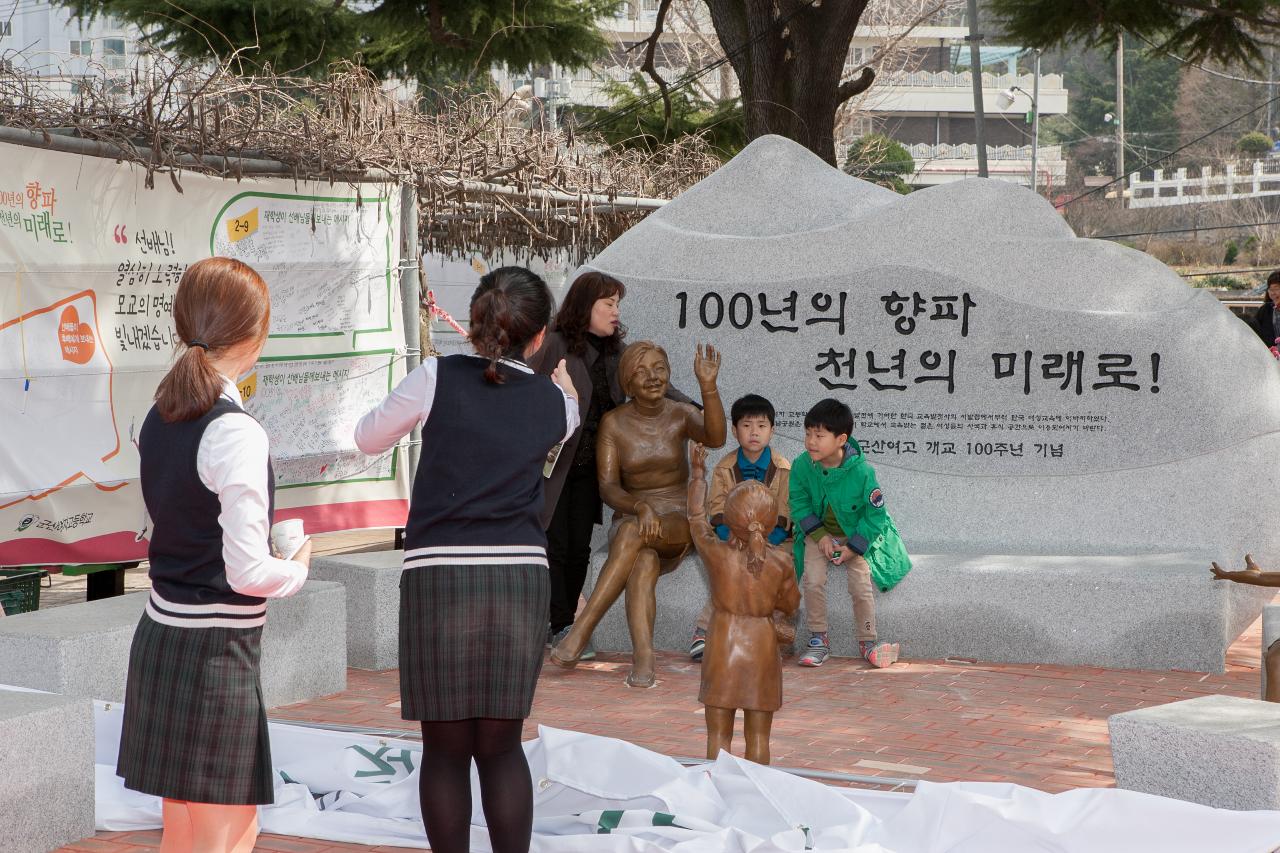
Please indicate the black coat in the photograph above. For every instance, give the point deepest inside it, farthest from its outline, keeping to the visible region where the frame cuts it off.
(579, 366)
(1264, 324)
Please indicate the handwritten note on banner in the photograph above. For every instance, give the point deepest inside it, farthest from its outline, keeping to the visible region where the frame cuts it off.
(90, 261)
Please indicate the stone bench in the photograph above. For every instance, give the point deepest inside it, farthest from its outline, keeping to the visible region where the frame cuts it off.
(83, 649)
(1160, 611)
(372, 582)
(46, 770)
(1220, 751)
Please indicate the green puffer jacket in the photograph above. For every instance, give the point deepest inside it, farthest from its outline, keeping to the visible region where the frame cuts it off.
(852, 491)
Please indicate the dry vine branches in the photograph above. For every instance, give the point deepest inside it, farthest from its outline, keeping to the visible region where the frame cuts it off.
(485, 184)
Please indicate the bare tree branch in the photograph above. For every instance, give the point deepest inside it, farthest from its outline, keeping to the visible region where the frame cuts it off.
(651, 50)
(484, 182)
(856, 85)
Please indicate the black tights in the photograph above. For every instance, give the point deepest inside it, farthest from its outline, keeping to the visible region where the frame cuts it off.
(444, 784)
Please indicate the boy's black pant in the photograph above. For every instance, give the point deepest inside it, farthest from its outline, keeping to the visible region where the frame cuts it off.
(569, 542)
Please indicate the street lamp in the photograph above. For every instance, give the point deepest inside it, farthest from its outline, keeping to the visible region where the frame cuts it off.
(1005, 99)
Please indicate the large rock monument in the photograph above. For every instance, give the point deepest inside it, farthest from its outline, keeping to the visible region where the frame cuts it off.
(1066, 433)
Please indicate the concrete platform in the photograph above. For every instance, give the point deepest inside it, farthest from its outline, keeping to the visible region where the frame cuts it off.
(83, 649)
(1220, 751)
(372, 582)
(46, 771)
(1160, 611)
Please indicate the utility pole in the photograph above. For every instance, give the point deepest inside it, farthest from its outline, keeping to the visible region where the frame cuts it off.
(1120, 177)
(1035, 119)
(975, 62)
(1271, 89)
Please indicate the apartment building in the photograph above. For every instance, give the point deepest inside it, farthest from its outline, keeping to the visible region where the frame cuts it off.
(924, 100)
(49, 42)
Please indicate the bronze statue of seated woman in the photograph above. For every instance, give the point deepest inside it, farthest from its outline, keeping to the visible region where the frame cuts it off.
(644, 476)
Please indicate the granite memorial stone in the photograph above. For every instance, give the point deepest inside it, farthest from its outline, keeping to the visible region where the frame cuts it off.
(1021, 392)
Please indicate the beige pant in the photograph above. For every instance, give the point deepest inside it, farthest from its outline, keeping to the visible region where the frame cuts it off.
(861, 590)
(704, 618)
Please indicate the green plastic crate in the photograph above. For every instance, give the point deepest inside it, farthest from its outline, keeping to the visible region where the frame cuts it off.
(20, 590)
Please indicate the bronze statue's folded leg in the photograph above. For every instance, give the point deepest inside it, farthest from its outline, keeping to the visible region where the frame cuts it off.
(641, 609)
(623, 550)
(758, 724)
(719, 730)
(1271, 663)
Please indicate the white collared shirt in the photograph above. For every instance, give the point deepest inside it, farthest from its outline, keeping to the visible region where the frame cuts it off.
(409, 405)
(232, 463)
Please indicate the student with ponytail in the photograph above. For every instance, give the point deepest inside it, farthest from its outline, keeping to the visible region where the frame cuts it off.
(194, 730)
(474, 591)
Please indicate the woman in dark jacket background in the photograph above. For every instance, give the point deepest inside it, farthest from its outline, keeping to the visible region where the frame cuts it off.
(588, 335)
(1264, 319)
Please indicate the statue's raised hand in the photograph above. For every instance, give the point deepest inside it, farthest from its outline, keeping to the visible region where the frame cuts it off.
(697, 461)
(706, 366)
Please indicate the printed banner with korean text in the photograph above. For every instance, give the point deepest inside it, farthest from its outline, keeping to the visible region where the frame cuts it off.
(90, 261)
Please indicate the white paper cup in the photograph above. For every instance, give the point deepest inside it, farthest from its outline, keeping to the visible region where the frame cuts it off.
(287, 537)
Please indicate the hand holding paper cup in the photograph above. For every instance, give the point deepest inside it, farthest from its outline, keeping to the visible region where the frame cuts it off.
(287, 537)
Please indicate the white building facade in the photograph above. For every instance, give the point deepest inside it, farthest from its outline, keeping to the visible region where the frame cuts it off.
(928, 107)
(48, 42)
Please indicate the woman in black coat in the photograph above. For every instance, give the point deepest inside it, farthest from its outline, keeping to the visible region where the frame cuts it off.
(588, 336)
(1265, 319)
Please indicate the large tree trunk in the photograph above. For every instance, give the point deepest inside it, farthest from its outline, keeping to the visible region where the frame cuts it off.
(790, 73)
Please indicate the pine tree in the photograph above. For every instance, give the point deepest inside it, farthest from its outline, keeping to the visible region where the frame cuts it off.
(1232, 32)
(430, 39)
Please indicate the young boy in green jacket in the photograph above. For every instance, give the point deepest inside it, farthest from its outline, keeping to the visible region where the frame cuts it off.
(838, 509)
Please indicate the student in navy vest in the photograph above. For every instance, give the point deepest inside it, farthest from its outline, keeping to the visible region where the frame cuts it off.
(194, 730)
(474, 592)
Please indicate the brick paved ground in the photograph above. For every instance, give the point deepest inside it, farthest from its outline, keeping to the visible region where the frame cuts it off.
(1042, 726)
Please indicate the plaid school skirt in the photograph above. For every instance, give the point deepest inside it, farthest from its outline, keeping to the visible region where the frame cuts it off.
(471, 640)
(194, 725)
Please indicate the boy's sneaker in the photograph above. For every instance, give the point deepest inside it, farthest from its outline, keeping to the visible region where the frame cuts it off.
(698, 646)
(878, 653)
(817, 652)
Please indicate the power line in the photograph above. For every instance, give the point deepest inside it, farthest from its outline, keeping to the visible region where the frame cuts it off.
(1184, 230)
(1197, 65)
(1225, 271)
(1120, 178)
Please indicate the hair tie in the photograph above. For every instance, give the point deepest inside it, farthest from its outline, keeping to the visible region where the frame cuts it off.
(200, 344)
(755, 527)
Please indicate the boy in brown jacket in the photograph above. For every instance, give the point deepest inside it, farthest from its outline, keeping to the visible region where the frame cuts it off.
(753, 418)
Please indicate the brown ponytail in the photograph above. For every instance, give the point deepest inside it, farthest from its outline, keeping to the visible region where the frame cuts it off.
(750, 510)
(508, 309)
(221, 302)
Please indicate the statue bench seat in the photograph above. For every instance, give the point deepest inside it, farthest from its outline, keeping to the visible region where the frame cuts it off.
(1156, 611)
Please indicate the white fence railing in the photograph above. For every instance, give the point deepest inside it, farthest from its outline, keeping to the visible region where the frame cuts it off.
(968, 151)
(1164, 189)
(964, 80)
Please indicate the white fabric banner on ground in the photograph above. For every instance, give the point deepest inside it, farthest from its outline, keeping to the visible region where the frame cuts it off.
(600, 795)
(90, 259)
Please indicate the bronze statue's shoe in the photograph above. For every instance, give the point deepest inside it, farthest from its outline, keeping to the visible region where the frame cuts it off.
(558, 660)
(635, 680)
